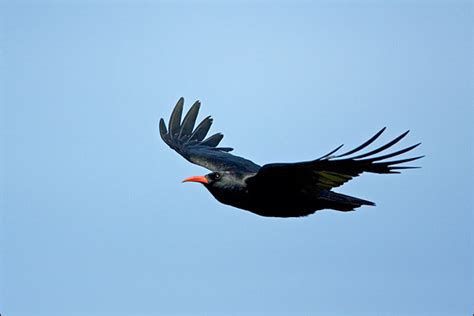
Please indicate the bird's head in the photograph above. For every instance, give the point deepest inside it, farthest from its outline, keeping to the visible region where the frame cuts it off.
(213, 179)
(221, 184)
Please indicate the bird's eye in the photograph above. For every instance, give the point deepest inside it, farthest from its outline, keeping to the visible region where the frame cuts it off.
(217, 176)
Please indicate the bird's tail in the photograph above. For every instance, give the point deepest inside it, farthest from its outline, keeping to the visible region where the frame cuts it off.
(341, 202)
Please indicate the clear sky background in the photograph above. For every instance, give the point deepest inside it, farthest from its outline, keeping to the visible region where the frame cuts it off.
(95, 221)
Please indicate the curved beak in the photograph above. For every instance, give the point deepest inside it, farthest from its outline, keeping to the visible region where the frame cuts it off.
(200, 179)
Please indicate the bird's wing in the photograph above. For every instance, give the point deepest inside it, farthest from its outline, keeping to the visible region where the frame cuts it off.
(189, 142)
(330, 171)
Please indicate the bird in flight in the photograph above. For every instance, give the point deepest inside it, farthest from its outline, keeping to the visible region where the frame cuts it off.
(275, 189)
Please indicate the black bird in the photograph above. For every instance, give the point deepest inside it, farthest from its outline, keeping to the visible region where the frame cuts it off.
(276, 189)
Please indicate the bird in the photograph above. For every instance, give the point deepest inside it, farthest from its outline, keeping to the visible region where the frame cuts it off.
(276, 189)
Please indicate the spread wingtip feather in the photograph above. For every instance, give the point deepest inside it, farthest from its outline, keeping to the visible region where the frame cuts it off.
(175, 118)
(163, 130)
(190, 119)
(213, 141)
(375, 164)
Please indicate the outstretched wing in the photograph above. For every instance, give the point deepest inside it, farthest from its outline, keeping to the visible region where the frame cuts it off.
(330, 171)
(189, 142)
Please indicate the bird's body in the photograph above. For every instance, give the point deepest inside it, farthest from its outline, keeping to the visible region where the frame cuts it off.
(276, 190)
(240, 190)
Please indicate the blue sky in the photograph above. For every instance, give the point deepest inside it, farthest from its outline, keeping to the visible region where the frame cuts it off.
(95, 221)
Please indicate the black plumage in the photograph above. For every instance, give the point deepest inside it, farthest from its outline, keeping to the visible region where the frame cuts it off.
(276, 189)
